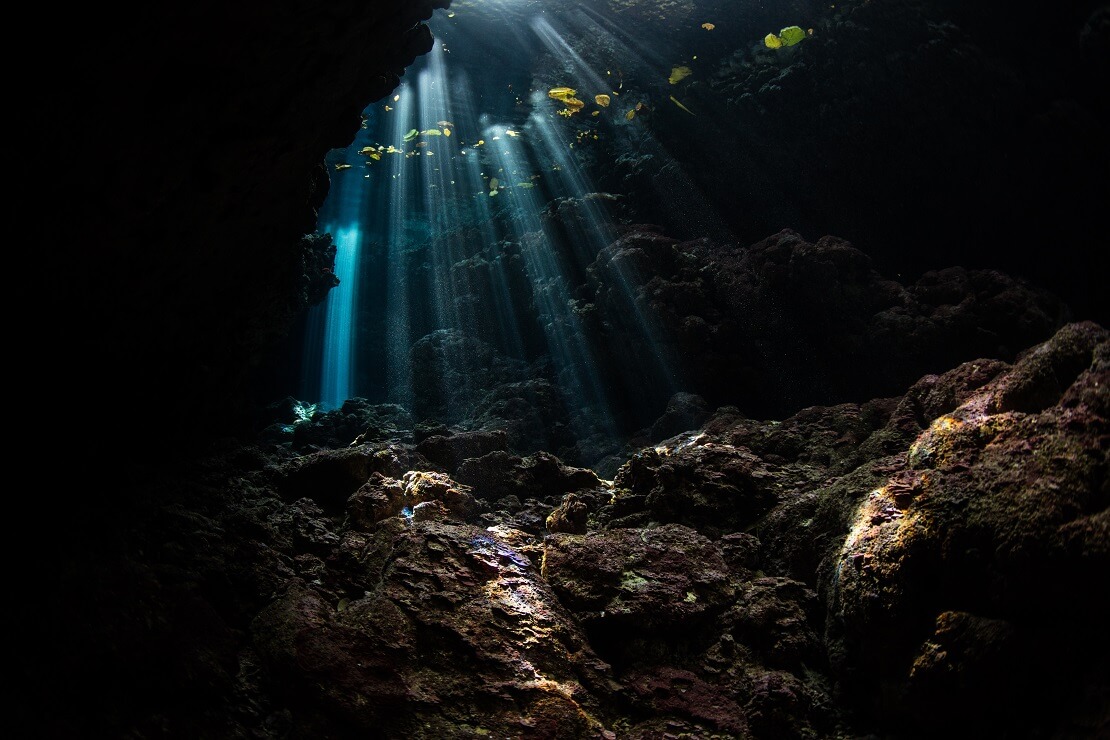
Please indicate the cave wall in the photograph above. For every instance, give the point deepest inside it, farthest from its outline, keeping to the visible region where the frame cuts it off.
(171, 160)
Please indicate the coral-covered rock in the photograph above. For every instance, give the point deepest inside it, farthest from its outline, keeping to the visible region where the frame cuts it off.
(422, 486)
(378, 498)
(716, 488)
(356, 422)
(448, 450)
(674, 692)
(966, 666)
(452, 371)
(331, 476)
(458, 636)
(999, 506)
(849, 332)
(660, 581)
(430, 511)
(685, 412)
(570, 516)
(500, 474)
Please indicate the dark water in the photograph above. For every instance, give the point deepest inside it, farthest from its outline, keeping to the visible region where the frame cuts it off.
(927, 134)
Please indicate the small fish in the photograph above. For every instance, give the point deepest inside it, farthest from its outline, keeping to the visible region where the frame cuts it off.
(680, 105)
(342, 167)
(786, 37)
(562, 93)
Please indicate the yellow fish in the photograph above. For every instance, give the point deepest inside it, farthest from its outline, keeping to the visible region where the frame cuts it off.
(562, 93)
(680, 105)
(678, 74)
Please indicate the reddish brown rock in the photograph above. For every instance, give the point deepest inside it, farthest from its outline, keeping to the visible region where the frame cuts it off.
(680, 693)
(570, 516)
(848, 332)
(999, 506)
(376, 499)
(448, 450)
(693, 480)
(642, 580)
(422, 486)
(457, 637)
(331, 476)
(500, 474)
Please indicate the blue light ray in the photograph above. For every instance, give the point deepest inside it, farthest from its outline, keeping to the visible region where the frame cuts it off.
(454, 251)
(551, 289)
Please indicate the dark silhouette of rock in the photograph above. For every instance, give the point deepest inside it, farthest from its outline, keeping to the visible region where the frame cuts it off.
(894, 523)
(449, 450)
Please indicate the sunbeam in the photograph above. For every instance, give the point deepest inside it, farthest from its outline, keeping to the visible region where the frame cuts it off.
(487, 227)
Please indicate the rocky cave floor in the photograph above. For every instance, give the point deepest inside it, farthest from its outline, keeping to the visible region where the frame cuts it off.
(930, 563)
(924, 565)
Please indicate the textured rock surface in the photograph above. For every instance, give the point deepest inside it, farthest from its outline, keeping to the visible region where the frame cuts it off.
(458, 637)
(918, 564)
(922, 564)
(785, 323)
(999, 507)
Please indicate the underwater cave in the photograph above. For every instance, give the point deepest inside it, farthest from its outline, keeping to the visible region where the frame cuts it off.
(524, 369)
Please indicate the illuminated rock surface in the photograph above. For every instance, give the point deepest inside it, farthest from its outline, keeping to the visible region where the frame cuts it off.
(876, 504)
